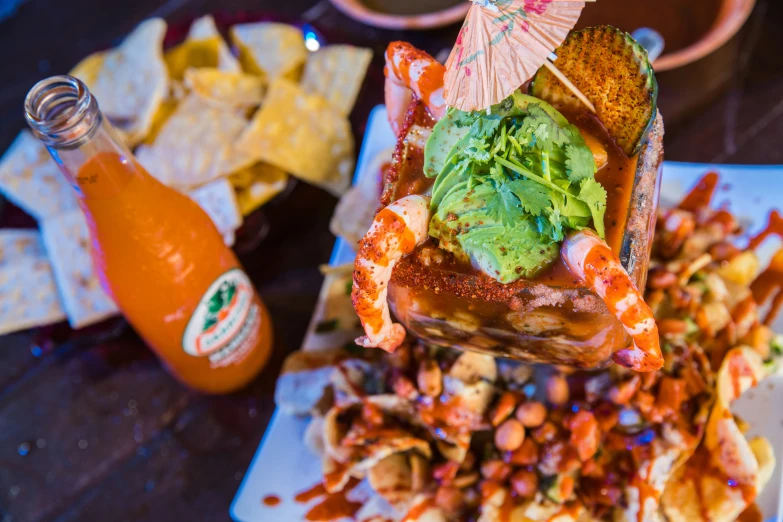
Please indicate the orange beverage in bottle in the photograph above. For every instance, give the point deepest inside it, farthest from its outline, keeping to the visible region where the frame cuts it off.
(158, 254)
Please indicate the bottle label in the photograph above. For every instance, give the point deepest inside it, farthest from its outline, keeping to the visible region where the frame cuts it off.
(226, 323)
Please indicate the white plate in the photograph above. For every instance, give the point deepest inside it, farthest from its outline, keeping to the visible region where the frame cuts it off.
(283, 466)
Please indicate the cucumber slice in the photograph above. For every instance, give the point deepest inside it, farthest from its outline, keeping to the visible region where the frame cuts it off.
(613, 71)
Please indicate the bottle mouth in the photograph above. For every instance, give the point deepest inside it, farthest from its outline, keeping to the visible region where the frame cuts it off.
(61, 111)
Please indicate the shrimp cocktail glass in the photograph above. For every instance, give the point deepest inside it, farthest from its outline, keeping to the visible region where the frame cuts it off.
(525, 230)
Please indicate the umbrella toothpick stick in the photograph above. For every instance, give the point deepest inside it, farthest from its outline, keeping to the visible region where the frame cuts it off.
(568, 83)
(502, 44)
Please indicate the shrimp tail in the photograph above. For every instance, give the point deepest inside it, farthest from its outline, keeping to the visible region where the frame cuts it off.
(412, 71)
(396, 231)
(591, 260)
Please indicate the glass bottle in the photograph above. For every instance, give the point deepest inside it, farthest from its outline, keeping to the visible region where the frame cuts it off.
(157, 253)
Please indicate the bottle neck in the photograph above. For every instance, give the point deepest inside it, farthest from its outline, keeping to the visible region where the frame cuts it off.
(63, 114)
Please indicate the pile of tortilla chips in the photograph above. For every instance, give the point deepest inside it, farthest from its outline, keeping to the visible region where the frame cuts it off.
(226, 128)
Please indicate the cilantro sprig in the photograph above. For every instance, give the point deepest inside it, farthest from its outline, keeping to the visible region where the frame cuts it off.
(510, 185)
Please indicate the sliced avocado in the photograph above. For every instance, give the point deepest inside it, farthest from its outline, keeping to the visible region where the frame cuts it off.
(450, 176)
(518, 103)
(613, 71)
(445, 135)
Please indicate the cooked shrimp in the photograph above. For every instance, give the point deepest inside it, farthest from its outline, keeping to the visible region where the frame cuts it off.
(590, 259)
(396, 231)
(412, 71)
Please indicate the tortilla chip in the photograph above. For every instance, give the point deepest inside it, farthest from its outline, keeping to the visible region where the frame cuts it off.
(204, 28)
(28, 295)
(765, 456)
(193, 53)
(257, 185)
(337, 73)
(334, 322)
(363, 454)
(133, 81)
(162, 115)
(375, 508)
(356, 209)
(218, 200)
(30, 178)
(203, 47)
(727, 471)
(88, 69)
(301, 134)
(67, 241)
(195, 145)
(392, 478)
(18, 244)
(270, 50)
(304, 379)
(225, 89)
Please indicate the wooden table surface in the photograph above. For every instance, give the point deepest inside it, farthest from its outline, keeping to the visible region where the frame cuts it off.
(98, 430)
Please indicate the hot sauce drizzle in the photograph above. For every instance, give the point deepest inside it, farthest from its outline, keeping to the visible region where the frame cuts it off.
(769, 286)
(307, 495)
(700, 196)
(332, 506)
(774, 226)
(738, 369)
(271, 500)
(699, 466)
(751, 514)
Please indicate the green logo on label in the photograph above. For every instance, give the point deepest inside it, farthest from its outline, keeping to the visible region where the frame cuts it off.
(225, 320)
(219, 303)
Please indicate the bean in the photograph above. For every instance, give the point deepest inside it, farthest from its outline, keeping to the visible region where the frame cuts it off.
(504, 408)
(723, 251)
(403, 387)
(585, 434)
(672, 327)
(531, 414)
(510, 435)
(557, 389)
(525, 483)
(495, 469)
(449, 499)
(547, 432)
(622, 393)
(661, 278)
(445, 472)
(465, 480)
(430, 378)
(468, 462)
(372, 414)
(526, 455)
(472, 498)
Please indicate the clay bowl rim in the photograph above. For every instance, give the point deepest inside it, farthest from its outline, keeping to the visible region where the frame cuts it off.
(357, 10)
(733, 15)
